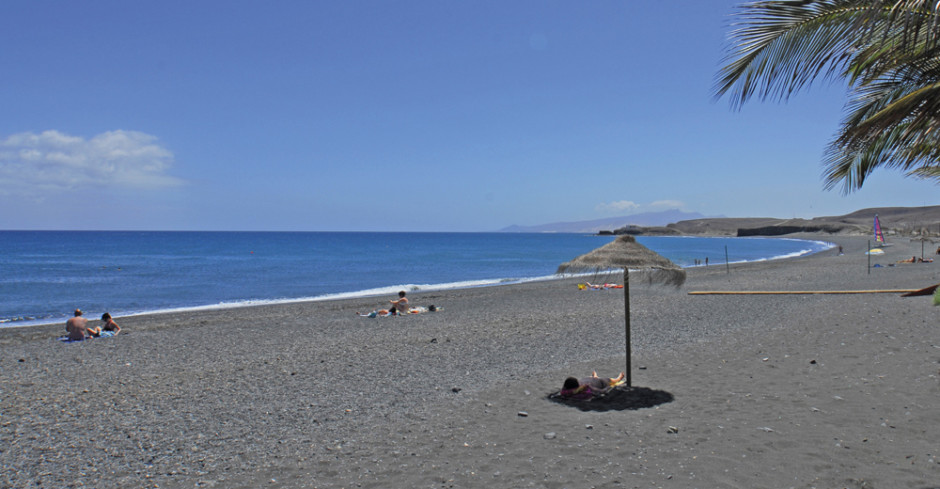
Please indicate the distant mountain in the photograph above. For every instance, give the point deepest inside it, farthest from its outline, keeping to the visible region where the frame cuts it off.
(647, 219)
(896, 221)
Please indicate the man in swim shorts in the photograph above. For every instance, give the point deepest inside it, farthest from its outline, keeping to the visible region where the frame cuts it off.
(77, 326)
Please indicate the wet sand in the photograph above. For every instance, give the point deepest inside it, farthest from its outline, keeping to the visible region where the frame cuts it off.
(768, 391)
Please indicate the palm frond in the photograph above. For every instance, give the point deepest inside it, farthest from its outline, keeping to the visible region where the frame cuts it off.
(888, 53)
(927, 173)
(780, 46)
(849, 166)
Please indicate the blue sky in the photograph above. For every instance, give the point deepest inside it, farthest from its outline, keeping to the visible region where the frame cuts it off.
(441, 115)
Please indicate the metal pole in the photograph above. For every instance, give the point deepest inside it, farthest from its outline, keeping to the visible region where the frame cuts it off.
(626, 312)
(727, 265)
(869, 257)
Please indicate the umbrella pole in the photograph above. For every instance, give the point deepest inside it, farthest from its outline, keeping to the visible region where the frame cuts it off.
(626, 306)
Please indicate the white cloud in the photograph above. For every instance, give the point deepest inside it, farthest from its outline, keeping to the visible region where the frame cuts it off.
(667, 204)
(56, 161)
(618, 206)
(630, 207)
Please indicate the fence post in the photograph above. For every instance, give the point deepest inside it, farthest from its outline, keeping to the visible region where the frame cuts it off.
(727, 265)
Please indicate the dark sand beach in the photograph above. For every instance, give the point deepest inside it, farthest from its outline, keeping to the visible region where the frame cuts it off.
(769, 391)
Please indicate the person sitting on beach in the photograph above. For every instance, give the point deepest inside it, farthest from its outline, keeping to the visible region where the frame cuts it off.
(588, 387)
(401, 305)
(109, 324)
(77, 326)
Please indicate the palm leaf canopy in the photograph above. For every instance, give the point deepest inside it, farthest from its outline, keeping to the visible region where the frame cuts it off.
(886, 51)
(625, 253)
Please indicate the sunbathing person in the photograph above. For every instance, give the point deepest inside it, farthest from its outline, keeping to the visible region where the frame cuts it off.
(588, 387)
(605, 286)
(77, 326)
(401, 305)
(380, 312)
(109, 324)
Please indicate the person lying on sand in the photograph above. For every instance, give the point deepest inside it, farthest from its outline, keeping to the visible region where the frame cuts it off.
(380, 312)
(589, 285)
(391, 312)
(588, 387)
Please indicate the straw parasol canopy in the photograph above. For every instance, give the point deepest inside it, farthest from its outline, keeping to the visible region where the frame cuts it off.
(626, 254)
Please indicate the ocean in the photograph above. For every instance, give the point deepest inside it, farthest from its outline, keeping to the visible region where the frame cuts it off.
(45, 275)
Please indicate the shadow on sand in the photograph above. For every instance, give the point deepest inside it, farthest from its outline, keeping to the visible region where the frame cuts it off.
(619, 398)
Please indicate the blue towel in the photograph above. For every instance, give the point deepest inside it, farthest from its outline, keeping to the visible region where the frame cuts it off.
(104, 334)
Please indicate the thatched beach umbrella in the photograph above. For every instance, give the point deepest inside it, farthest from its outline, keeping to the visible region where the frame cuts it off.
(626, 254)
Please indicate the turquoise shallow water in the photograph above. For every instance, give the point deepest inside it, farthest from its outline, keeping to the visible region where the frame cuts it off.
(44, 275)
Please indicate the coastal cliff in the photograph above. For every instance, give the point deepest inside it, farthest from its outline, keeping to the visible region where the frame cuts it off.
(898, 221)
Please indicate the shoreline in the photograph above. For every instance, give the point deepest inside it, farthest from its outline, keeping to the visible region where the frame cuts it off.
(779, 391)
(410, 288)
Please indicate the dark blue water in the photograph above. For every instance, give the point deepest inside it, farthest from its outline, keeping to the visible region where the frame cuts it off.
(44, 275)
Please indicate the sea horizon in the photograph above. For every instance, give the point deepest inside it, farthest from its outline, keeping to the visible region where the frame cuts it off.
(47, 275)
